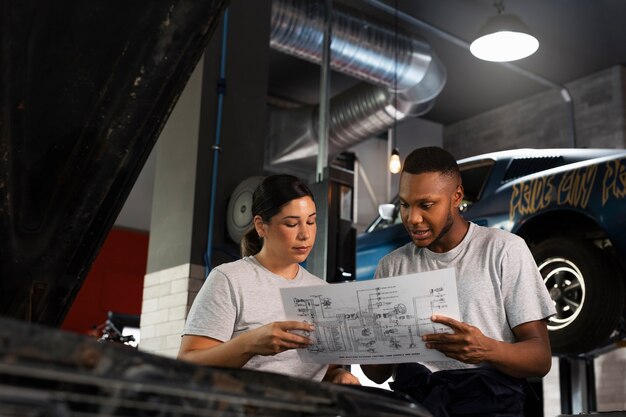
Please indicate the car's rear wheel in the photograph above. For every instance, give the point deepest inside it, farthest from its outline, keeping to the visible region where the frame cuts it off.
(587, 292)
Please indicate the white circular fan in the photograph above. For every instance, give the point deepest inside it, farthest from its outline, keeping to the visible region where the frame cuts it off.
(239, 211)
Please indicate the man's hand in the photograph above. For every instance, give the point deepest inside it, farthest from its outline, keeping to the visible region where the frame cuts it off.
(528, 356)
(466, 344)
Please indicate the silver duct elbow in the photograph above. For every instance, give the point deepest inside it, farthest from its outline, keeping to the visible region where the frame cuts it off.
(403, 77)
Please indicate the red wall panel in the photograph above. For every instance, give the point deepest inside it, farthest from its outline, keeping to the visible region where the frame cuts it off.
(115, 281)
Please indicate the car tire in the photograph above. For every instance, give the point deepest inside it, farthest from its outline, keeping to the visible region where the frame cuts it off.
(587, 292)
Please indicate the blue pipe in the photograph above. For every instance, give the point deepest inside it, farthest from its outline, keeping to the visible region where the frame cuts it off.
(221, 89)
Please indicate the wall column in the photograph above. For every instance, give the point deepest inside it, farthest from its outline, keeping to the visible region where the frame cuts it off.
(184, 166)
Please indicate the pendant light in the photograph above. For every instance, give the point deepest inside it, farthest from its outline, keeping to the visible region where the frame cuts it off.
(503, 38)
(394, 161)
(395, 165)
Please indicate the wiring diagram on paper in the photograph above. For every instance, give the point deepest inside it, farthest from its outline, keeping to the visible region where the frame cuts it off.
(376, 321)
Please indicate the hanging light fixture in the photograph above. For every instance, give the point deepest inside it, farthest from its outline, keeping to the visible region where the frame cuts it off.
(395, 165)
(394, 161)
(504, 38)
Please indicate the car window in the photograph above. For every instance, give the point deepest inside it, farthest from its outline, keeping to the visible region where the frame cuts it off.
(520, 167)
(474, 175)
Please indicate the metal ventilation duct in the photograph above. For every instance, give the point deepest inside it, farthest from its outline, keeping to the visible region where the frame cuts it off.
(365, 50)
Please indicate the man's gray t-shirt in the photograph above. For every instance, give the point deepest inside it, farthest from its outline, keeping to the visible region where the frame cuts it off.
(240, 296)
(498, 283)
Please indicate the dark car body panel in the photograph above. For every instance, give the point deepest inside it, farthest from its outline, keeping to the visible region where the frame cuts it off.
(83, 377)
(86, 89)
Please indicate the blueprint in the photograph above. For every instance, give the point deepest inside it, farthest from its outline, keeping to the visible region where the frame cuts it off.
(374, 321)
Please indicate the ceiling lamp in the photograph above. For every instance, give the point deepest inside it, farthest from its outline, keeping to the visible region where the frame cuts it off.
(395, 165)
(394, 162)
(504, 38)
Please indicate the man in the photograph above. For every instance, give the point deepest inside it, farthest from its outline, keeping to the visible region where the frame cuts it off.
(502, 337)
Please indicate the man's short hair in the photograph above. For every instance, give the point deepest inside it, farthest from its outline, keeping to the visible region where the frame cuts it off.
(431, 159)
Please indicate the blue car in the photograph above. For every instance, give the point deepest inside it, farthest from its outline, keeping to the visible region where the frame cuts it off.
(570, 207)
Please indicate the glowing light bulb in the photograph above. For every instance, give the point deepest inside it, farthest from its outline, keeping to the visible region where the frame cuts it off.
(394, 162)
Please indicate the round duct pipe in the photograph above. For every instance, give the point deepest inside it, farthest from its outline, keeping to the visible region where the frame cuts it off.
(362, 49)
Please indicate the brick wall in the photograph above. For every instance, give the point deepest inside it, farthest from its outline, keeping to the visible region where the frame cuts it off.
(167, 297)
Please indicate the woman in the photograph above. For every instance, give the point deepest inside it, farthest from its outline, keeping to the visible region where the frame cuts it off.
(232, 321)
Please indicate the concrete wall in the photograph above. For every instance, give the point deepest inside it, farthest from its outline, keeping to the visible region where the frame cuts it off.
(175, 176)
(610, 381)
(544, 120)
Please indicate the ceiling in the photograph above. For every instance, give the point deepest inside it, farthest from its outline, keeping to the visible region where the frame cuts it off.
(577, 38)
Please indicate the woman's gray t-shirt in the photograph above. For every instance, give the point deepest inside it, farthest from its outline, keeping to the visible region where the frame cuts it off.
(240, 296)
(498, 283)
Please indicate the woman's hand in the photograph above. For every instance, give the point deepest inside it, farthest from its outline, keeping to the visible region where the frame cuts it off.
(266, 340)
(277, 337)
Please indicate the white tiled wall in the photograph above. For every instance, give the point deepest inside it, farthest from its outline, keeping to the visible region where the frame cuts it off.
(167, 296)
(551, 391)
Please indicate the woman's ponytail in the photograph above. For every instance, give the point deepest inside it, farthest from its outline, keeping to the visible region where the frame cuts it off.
(251, 243)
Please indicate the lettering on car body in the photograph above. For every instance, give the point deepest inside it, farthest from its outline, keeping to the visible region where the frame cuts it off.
(574, 189)
(614, 182)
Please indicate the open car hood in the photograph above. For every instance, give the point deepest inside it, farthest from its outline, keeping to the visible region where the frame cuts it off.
(86, 89)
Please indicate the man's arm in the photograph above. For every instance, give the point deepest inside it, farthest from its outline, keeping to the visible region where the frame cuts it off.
(529, 355)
